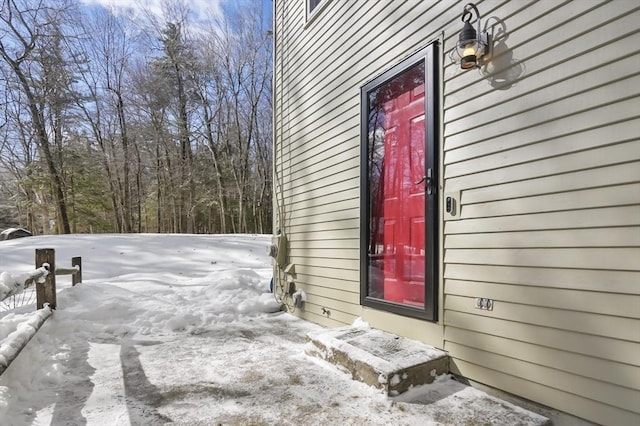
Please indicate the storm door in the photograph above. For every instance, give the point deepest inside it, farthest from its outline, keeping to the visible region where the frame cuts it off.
(399, 189)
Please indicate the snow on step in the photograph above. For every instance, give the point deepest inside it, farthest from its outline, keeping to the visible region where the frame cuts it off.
(379, 359)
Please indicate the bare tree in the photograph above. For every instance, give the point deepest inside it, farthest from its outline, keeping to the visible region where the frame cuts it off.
(109, 48)
(244, 52)
(30, 47)
(18, 159)
(210, 92)
(127, 125)
(174, 65)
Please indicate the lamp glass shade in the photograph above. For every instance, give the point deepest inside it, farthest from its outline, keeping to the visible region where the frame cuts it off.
(469, 51)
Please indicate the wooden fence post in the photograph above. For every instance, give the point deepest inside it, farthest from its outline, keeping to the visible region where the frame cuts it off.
(76, 277)
(46, 293)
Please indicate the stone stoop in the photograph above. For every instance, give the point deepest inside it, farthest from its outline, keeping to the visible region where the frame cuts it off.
(379, 359)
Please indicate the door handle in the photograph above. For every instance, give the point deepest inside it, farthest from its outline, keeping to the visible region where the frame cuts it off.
(429, 181)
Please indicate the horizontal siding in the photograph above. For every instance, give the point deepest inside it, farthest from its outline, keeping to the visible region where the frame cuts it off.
(603, 303)
(317, 152)
(614, 350)
(343, 278)
(547, 109)
(332, 244)
(336, 304)
(330, 294)
(619, 174)
(592, 218)
(616, 327)
(353, 58)
(411, 328)
(602, 65)
(579, 150)
(340, 176)
(327, 163)
(324, 206)
(595, 390)
(319, 234)
(325, 282)
(578, 258)
(304, 206)
(545, 131)
(602, 370)
(344, 224)
(341, 187)
(335, 216)
(591, 237)
(323, 147)
(335, 318)
(623, 282)
(620, 195)
(548, 172)
(333, 261)
(593, 410)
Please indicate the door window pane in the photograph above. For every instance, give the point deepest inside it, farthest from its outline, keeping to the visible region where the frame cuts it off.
(396, 168)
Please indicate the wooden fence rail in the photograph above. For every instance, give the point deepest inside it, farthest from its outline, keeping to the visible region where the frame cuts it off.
(44, 280)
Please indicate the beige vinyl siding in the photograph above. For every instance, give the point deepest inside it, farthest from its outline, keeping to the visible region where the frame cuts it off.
(321, 195)
(547, 168)
(318, 206)
(548, 172)
(320, 66)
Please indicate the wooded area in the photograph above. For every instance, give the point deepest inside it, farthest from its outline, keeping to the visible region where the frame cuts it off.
(121, 121)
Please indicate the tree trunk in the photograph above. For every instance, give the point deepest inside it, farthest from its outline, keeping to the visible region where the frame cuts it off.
(216, 168)
(126, 194)
(187, 189)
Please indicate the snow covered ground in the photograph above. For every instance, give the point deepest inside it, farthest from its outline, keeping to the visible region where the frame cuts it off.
(180, 329)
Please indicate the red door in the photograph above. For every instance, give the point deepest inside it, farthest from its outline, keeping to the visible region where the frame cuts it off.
(404, 195)
(399, 222)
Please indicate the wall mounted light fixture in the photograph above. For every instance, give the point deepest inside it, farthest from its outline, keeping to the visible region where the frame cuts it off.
(473, 45)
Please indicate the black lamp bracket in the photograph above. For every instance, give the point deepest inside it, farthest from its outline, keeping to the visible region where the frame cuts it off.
(466, 15)
(483, 36)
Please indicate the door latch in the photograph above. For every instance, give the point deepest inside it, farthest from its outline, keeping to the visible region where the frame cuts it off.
(429, 181)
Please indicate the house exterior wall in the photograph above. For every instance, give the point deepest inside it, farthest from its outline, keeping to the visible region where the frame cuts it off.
(542, 154)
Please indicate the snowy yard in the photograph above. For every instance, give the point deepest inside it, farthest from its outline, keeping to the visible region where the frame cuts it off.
(180, 329)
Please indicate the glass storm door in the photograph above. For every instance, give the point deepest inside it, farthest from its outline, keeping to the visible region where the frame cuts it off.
(399, 201)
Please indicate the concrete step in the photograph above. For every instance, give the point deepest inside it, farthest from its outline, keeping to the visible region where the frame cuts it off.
(383, 360)
(399, 366)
